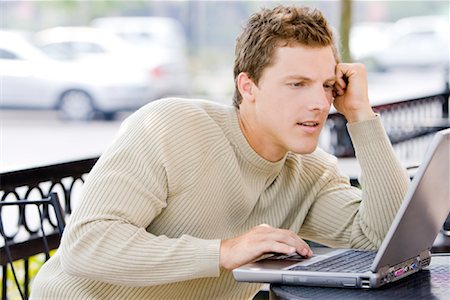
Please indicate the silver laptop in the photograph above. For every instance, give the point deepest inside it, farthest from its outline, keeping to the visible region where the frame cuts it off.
(404, 251)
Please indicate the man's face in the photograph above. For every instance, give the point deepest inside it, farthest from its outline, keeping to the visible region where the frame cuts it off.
(293, 99)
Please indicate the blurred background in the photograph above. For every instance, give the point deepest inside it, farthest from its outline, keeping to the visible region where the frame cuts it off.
(71, 70)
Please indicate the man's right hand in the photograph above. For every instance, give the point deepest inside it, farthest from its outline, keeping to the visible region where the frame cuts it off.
(260, 240)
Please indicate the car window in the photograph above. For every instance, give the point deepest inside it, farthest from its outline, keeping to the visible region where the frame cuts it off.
(5, 54)
(57, 51)
(71, 50)
(86, 47)
(422, 39)
(138, 37)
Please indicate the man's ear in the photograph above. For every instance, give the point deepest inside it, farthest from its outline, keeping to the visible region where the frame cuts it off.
(246, 86)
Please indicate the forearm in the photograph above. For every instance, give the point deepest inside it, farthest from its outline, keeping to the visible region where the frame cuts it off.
(384, 182)
(117, 252)
(107, 238)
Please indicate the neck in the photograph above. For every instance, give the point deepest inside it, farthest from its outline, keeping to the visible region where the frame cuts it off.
(255, 137)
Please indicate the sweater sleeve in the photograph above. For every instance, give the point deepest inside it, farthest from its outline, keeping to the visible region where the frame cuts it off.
(345, 216)
(106, 238)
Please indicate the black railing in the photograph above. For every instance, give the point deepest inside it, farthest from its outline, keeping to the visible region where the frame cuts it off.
(404, 121)
(59, 178)
(36, 183)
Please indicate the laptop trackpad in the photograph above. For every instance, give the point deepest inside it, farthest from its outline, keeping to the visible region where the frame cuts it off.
(278, 261)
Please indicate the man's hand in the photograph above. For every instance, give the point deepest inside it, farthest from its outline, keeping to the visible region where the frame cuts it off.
(351, 93)
(260, 240)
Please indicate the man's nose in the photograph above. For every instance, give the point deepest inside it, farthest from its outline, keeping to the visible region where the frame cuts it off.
(321, 99)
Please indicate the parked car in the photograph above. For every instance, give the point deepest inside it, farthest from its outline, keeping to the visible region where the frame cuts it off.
(367, 38)
(31, 79)
(168, 71)
(413, 42)
(147, 32)
(70, 43)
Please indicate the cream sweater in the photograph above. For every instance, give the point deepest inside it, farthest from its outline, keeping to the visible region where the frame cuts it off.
(180, 176)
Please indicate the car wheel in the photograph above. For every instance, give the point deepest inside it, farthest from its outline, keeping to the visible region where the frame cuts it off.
(109, 116)
(76, 105)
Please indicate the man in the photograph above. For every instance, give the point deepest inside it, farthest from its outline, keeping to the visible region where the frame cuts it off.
(190, 189)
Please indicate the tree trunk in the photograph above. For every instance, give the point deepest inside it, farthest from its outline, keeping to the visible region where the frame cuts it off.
(346, 23)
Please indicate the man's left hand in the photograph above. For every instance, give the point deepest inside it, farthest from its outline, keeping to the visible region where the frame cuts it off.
(351, 92)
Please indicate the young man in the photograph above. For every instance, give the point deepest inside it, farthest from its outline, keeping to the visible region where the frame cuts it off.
(190, 189)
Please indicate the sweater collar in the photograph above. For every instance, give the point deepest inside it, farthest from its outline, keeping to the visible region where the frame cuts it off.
(246, 151)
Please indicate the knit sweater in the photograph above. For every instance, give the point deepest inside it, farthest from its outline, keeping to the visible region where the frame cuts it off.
(180, 176)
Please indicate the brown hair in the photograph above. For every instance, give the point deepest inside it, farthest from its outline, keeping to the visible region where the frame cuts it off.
(278, 27)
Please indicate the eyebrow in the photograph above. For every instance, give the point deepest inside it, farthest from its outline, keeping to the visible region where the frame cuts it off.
(298, 77)
(305, 78)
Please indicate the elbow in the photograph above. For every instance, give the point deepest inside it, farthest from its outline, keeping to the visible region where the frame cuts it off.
(75, 257)
(364, 237)
(68, 266)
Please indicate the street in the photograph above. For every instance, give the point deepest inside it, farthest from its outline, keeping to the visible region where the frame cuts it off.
(36, 138)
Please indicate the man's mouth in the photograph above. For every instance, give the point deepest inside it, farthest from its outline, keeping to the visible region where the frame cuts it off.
(308, 124)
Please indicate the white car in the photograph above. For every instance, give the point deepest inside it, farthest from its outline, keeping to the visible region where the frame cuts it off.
(31, 79)
(367, 38)
(413, 42)
(147, 32)
(167, 71)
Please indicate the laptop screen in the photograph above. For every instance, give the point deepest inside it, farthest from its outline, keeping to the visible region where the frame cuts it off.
(424, 209)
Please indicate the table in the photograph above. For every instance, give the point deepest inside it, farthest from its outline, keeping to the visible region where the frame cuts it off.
(430, 283)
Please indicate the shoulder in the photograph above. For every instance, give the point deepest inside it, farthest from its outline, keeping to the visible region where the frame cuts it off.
(179, 112)
(182, 106)
(176, 123)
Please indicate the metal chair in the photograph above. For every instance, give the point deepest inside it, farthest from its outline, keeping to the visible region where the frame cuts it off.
(39, 240)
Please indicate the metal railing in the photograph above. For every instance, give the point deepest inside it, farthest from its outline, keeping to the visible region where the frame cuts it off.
(404, 121)
(63, 179)
(60, 178)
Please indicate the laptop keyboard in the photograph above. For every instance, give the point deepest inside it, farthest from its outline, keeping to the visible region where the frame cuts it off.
(348, 261)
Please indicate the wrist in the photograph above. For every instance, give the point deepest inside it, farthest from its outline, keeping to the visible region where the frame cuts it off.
(360, 115)
(223, 261)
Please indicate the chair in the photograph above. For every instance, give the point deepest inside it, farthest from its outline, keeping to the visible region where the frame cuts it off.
(39, 240)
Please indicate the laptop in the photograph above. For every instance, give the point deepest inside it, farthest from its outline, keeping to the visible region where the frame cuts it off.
(404, 251)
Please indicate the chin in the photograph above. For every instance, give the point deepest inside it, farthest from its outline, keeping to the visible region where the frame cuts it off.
(304, 150)
(304, 144)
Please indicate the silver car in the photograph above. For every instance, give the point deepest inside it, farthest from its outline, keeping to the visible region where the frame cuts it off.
(80, 90)
(166, 67)
(412, 42)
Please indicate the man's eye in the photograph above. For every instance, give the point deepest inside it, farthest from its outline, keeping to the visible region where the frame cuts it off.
(296, 84)
(328, 86)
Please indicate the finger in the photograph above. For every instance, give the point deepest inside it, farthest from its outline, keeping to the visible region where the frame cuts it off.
(338, 91)
(288, 237)
(304, 249)
(340, 81)
(278, 247)
(272, 246)
(301, 246)
(306, 252)
(265, 226)
(266, 236)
